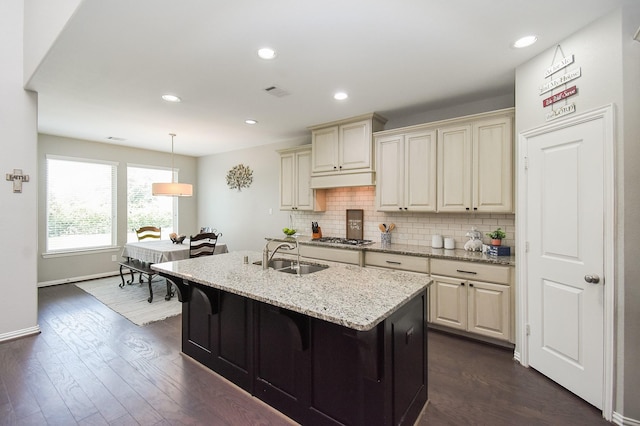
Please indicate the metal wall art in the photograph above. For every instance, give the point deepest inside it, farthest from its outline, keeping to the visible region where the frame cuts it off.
(239, 177)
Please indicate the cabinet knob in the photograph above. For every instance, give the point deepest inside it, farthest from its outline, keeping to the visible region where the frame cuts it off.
(406, 208)
(334, 167)
(467, 208)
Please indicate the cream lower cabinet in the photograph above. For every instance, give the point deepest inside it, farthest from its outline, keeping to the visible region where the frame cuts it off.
(470, 304)
(406, 169)
(295, 176)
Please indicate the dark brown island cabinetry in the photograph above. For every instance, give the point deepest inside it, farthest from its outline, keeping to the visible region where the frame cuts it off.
(314, 371)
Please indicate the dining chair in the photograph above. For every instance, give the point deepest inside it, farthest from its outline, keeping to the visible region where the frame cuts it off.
(145, 232)
(203, 244)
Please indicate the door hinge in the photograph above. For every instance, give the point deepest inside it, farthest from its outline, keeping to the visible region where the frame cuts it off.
(526, 163)
(526, 247)
(527, 329)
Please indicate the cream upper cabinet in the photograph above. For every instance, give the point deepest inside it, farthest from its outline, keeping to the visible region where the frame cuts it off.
(325, 149)
(295, 175)
(454, 169)
(493, 165)
(344, 148)
(475, 165)
(406, 171)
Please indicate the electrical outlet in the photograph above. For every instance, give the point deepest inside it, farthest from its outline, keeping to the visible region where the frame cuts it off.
(270, 211)
(114, 258)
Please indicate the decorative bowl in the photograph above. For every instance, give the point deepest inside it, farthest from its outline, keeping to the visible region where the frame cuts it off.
(178, 239)
(288, 232)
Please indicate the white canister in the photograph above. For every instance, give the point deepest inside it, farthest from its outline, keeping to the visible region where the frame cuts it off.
(449, 243)
(436, 241)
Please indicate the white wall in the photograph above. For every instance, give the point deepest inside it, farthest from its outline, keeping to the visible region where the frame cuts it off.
(629, 377)
(18, 304)
(43, 22)
(610, 60)
(56, 270)
(243, 216)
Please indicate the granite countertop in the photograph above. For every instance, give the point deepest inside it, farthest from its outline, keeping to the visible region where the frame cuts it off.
(348, 295)
(412, 250)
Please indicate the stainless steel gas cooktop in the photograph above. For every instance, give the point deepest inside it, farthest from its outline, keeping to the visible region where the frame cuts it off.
(338, 240)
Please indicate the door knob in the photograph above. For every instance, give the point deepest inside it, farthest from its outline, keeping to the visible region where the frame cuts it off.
(592, 278)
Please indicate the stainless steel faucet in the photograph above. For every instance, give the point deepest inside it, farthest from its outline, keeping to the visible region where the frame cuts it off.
(266, 258)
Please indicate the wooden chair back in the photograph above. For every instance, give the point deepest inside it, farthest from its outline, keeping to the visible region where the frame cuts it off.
(203, 244)
(148, 232)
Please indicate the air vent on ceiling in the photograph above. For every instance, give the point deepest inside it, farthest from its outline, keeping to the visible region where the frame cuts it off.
(117, 139)
(276, 91)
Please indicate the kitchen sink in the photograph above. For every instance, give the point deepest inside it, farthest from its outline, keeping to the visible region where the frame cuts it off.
(290, 266)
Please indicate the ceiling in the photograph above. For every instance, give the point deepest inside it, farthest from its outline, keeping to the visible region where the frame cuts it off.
(106, 72)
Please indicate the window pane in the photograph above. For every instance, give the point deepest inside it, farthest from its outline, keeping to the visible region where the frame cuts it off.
(80, 204)
(143, 208)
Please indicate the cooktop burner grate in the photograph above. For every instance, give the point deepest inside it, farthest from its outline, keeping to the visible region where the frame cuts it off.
(337, 240)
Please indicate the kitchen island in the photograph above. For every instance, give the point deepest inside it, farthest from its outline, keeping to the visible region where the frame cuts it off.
(344, 345)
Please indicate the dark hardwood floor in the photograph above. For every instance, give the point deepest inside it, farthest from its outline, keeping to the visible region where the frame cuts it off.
(90, 366)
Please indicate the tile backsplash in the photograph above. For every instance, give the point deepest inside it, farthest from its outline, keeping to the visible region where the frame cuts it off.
(411, 228)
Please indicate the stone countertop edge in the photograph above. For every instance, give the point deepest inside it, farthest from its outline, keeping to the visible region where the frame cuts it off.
(348, 295)
(412, 250)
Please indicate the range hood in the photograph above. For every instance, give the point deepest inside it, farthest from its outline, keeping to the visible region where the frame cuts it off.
(343, 180)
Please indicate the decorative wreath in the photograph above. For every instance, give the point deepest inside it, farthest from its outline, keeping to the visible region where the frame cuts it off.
(239, 177)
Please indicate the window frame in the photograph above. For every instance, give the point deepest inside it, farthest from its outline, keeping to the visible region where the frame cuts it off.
(174, 203)
(114, 208)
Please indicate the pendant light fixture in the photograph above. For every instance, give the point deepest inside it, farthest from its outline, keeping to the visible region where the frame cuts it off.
(173, 189)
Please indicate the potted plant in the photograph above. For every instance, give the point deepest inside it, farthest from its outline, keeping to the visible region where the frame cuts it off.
(496, 236)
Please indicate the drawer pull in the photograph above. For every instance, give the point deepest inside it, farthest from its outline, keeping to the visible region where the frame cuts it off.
(462, 271)
(394, 262)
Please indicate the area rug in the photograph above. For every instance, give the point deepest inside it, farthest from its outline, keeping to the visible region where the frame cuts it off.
(131, 301)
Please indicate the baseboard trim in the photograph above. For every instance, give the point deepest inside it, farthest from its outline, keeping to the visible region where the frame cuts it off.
(20, 333)
(77, 279)
(621, 420)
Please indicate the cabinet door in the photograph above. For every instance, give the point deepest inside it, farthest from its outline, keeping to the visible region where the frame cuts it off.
(325, 149)
(389, 174)
(449, 302)
(489, 309)
(303, 192)
(420, 171)
(355, 146)
(287, 181)
(493, 165)
(454, 169)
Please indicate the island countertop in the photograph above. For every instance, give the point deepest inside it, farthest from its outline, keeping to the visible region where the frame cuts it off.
(348, 295)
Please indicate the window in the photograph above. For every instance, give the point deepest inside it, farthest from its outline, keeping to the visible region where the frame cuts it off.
(143, 209)
(81, 204)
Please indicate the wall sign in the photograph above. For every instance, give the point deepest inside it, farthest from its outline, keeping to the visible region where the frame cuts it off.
(560, 96)
(565, 62)
(561, 80)
(569, 76)
(557, 113)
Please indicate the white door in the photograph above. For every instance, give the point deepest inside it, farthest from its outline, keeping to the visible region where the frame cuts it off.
(565, 231)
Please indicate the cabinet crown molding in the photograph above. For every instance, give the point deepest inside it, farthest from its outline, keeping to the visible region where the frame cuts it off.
(448, 121)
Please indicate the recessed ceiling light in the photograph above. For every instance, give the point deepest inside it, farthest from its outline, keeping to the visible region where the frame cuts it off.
(525, 41)
(267, 53)
(251, 121)
(340, 96)
(171, 98)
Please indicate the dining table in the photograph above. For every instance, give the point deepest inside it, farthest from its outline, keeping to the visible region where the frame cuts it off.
(138, 256)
